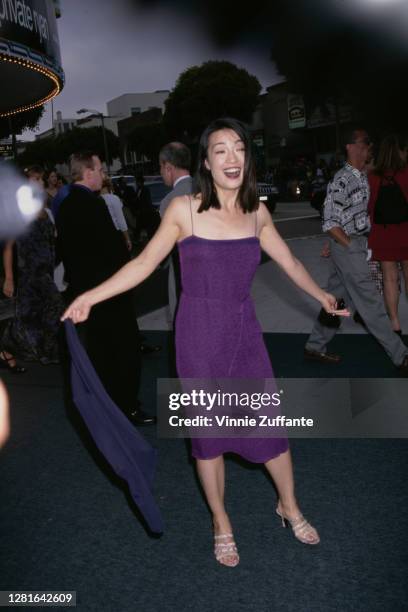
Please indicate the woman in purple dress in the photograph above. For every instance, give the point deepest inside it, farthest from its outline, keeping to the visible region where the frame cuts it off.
(220, 232)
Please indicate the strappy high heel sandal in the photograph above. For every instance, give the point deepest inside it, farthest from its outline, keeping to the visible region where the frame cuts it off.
(6, 365)
(224, 549)
(302, 529)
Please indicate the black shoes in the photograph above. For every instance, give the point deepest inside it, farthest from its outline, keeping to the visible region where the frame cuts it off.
(147, 349)
(322, 357)
(139, 417)
(403, 368)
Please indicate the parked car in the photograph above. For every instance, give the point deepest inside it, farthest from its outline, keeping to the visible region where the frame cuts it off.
(130, 180)
(158, 190)
(267, 192)
(155, 184)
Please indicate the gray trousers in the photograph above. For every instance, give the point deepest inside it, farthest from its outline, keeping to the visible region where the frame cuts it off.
(350, 279)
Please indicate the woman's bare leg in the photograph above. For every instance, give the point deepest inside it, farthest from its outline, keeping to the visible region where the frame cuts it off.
(391, 291)
(212, 477)
(281, 470)
(405, 273)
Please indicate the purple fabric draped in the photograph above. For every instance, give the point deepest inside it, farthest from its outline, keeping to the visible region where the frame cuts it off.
(132, 458)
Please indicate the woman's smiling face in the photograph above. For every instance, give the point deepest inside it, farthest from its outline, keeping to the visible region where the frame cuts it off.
(226, 159)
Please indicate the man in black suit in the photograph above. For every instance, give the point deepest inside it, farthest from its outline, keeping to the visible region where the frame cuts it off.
(144, 198)
(92, 250)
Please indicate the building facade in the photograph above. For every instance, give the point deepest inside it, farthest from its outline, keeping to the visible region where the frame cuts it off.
(290, 129)
(130, 104)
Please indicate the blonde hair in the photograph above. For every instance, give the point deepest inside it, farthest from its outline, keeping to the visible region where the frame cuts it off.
(107, 184)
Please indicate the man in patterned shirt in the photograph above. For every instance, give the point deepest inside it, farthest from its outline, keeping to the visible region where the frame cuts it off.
(346, 220)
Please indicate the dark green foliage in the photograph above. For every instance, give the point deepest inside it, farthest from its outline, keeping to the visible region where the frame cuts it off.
(50, 151)
(21, 121)
(148, 139)
(203, 93)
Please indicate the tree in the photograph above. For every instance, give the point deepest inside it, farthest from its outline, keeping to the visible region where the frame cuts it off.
(148, 139)
(204, 93)
(42, 152)
(50, 151)
(15, 124)
(90, 139)
(356, 53)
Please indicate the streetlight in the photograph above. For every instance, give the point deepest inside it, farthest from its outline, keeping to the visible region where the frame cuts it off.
(105, 142)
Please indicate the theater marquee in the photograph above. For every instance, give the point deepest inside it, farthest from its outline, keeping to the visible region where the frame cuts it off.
(30, 63)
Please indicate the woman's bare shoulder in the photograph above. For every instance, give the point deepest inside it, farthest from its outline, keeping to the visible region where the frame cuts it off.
(181, 204)
(178, 205)
(264, 216)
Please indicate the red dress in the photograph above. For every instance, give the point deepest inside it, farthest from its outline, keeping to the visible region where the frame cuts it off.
(389, 242)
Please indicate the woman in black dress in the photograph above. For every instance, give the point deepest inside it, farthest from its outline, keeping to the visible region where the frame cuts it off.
(32, 334)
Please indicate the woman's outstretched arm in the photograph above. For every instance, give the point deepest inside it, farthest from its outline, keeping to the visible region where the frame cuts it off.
(278, 250)
(137, 270)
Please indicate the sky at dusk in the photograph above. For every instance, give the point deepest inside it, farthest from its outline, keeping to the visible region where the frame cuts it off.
(108, 49)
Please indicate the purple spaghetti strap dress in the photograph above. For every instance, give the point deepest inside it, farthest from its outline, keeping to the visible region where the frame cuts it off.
(217, 332)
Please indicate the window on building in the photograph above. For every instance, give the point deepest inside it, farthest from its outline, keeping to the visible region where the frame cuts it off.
(66, 127)
(135, 110)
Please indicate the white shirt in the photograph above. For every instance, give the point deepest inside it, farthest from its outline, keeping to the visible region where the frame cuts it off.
(115, 207)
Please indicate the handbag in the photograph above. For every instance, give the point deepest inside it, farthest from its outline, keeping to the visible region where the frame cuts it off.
(329, 320)
(391, 207)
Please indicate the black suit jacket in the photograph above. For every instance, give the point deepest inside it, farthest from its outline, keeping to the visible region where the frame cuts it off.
(144, 198)
(88, 243)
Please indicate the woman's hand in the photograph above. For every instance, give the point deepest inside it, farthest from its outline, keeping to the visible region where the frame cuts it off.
(329, 304)
(79, 310)
(325, 252)
(8, 287)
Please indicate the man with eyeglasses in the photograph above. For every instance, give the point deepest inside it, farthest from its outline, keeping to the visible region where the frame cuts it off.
(346, 220)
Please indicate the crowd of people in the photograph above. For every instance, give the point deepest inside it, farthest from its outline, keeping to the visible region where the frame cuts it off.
(350, 218)
(301, 177)
(217, 229)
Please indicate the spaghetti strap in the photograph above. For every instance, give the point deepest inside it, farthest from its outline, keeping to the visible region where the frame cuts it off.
(191, 214)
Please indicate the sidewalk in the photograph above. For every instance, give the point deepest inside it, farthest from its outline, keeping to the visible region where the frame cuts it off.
(280, 306)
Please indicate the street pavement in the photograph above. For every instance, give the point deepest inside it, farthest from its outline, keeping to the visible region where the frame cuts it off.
(280, 306)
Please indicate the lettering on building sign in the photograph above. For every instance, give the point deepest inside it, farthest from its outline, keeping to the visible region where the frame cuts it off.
(19, 13)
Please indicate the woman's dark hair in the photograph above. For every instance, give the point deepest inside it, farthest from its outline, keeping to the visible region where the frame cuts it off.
(48, 172)
(247, 196)
(389, 154)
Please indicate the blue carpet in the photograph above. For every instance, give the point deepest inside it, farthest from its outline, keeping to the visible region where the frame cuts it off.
(68, 524)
